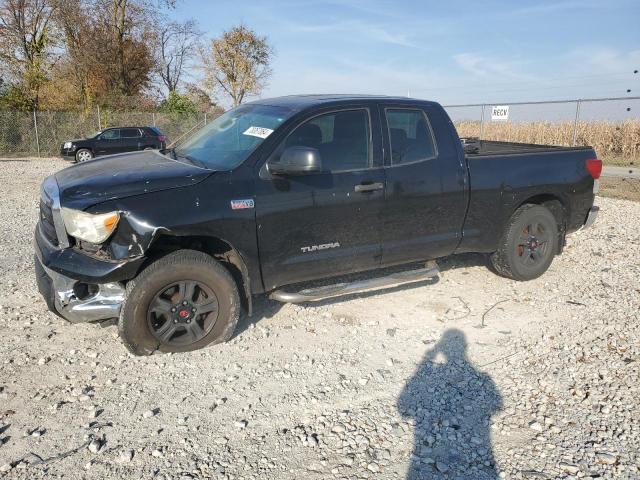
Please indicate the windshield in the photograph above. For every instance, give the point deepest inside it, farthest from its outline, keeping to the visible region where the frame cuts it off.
(95, 134)
(229, 139)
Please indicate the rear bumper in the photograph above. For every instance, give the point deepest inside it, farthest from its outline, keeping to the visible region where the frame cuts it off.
(73, 301)
(591, 216)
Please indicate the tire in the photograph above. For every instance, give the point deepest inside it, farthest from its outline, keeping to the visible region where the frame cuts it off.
(528, 245)
(83, 155)
(145, 319)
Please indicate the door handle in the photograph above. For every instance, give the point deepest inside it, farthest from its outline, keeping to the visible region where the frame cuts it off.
(369, 187)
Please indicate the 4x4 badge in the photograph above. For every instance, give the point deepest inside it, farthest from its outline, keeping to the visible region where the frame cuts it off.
(240, 204)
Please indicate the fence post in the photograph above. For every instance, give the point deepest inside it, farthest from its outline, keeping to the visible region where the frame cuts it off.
(482, 122)
(99, 121)
(575, 123)
(153, 118)
(205, 118)
(35, 126)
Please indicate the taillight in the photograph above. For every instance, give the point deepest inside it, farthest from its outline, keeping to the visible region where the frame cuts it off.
(162, 138)
(594, 166)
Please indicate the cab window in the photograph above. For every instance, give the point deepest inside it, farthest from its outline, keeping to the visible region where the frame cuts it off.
(343, 139)
(410, 136)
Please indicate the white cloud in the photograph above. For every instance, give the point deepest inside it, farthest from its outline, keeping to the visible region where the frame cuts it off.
(359, 29)
(491, 67)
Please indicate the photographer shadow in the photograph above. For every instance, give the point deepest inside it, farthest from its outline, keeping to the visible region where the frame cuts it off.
(451, 404)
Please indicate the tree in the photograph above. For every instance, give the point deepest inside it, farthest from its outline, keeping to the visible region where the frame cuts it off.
(74, 22)
(108, 57)
(238, 63)
(202, 100)
(176, 46)
(178, 104)
(26, 44)
(123, 27)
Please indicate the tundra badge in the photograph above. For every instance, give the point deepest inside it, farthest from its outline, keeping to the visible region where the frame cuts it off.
(324, 246)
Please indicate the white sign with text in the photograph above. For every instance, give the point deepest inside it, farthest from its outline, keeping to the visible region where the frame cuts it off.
(500, 112)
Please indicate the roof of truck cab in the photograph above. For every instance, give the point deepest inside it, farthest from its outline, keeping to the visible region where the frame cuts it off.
(305, 101)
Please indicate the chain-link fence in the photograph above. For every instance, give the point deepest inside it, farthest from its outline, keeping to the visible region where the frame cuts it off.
(610, 125)
(42, 133)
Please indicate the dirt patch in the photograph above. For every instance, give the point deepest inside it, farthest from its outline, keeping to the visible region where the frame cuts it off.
(623, 188)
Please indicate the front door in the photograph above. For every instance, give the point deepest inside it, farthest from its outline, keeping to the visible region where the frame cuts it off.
(108, 142)
(328, 223)
(425, 185)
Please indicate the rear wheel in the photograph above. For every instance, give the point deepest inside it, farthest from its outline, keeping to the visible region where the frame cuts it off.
(182, 302)
(528, 245)
(83, 155)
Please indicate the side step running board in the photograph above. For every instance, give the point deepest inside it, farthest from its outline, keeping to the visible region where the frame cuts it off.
(313, 294)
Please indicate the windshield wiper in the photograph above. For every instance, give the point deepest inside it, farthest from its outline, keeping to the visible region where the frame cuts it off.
(171, 151)
(195, 161)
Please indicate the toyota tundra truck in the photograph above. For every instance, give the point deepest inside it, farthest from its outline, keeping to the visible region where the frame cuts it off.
(172, 245)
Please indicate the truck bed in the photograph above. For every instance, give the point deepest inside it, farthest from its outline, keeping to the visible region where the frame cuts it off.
(474, 147)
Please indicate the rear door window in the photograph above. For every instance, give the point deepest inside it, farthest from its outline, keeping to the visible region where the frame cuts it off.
(343, 139)
(410, 136)
(129, 133)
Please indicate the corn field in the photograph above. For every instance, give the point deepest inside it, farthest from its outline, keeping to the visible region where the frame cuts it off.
(616, 143)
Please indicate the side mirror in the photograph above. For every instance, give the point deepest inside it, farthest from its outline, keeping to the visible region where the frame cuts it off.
(296, 161)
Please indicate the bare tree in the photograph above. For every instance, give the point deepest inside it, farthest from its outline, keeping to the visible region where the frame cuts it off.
(176, 46)
(74, 23)
(238, 63)
(26, 43)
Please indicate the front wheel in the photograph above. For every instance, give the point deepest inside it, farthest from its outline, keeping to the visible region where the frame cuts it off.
(179, 303)
(528, 245)
(83, 155)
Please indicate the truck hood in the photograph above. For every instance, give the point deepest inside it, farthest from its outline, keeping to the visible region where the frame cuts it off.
(124, 175)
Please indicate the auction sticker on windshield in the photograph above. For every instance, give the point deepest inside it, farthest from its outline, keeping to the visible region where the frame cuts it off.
(258, 132)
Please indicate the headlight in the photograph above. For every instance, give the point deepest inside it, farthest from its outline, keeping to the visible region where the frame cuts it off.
(67, 145)
(89, 227)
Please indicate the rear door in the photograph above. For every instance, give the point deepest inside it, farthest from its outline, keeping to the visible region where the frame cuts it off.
(108, 142)
(328, 223)
(425, 185)
(130, 139)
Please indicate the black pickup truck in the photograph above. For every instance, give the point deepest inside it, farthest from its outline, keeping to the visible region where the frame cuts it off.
(174, 243)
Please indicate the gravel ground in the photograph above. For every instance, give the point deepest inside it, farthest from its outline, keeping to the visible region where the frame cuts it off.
(473, 376)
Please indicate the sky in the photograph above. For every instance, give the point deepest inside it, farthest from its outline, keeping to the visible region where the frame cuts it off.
(453, 52)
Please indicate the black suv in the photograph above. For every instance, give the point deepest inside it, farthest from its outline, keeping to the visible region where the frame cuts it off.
(113, 140)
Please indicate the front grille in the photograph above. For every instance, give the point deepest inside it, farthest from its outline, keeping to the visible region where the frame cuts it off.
(46, 223)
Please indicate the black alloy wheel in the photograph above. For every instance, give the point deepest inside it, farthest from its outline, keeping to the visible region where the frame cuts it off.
(181, 302)
(533, 244)
(528, 245)
(182, 313)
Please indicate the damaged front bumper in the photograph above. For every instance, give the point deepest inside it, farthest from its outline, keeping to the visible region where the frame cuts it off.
(76, 301)
(78, 287)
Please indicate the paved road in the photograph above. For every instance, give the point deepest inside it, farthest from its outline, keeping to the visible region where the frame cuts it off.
(626, 172)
